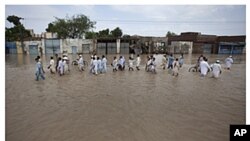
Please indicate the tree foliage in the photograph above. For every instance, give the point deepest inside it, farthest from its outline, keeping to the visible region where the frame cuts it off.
(169, 33)
(105, 33)
(18, 31)
(117, 32)
(90, 35)
(71, 27)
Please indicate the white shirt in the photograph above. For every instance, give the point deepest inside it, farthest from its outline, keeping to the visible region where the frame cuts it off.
(80, 61)
(138, 60)
(52, 62)
(131, 63)
(204, 67)
(95, 63)
(216, 69)
(229, 61)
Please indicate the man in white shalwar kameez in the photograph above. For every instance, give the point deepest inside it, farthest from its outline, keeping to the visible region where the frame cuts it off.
(216, 69)
(114, 64)
(51, 65)
(104, 64)
(80, 63)
(99, 65)
(176, 67)
(204, 67)
(66, 66)
(229, 61)
(95, 63)
(61, 67)
(138, 61)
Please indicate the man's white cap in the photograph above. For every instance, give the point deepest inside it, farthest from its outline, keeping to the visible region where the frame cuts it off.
(80, 55)
(65, 58)
(230, 56)
(217, 61)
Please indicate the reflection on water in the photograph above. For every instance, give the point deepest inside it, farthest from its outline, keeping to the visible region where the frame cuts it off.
(125, 106)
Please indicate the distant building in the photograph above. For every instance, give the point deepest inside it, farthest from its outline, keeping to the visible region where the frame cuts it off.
(194, 42)
(187, 42)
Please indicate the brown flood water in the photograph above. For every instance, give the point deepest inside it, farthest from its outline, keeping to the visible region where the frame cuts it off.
(123, 106)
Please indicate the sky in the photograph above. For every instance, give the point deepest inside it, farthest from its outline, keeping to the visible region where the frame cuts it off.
(144, 20)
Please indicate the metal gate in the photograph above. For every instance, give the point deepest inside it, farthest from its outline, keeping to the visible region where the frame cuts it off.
(74, 49)
(124, 48)
(85, 48)
(112, 49)
(10, 47)
(101, 48)
(33, 49)
(52, 46)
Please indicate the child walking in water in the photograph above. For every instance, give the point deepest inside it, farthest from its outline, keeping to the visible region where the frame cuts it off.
(51, 66)
(181, 60)
(104, 64)
(229, 61)
(60, 66)
(216, 69)
(131, 62)
(39, 71)
(176, 67)
(138, 61)
(114, 64)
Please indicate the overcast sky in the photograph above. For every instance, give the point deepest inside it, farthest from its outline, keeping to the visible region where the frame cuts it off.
(141, 19)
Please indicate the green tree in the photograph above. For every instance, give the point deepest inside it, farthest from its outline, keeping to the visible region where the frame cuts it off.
(71, 27)
(126, 36)
(103, 33)
(18, 31)
(90, 35)
(117, 32)
(169, 33)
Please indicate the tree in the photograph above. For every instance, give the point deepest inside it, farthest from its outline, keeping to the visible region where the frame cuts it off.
(90, 35)
(18, 31)
(169, 33)
(103, 33)
(71, 27)
(117, 32)
(126, 36)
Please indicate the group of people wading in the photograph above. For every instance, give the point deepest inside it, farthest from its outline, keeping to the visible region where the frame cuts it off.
(98, 65)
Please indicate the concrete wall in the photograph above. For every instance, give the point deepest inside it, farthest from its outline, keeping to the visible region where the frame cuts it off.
(68, 43)
(39, 43)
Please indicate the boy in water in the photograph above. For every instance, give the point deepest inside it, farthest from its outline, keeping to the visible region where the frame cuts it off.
(99, 65)
(216, 69)
(153, 65)
(131, 62)
(138, 61)
(204, 67)
(164, 61)
(170, 61)
(104, 64)
(80, 63)
(39, 72)
(149, 63)
(176, 67)
(114, 64)
(229, 61)
(181, 60)
(95, 64)
(61, 66)
(51, 66)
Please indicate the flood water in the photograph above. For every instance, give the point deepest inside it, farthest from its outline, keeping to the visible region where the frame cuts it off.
(123, 106)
